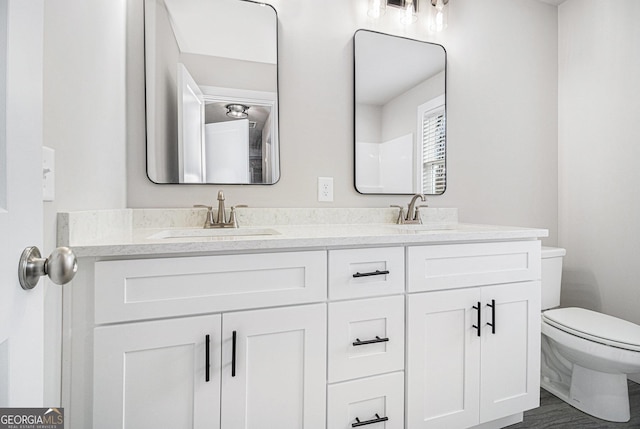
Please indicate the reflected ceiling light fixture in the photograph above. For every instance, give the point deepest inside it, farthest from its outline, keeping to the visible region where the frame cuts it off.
(438, 15)
(238, 111)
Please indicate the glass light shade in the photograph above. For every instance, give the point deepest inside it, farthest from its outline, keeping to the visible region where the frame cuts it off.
(377, 8)
(438, 15)
(409, 15)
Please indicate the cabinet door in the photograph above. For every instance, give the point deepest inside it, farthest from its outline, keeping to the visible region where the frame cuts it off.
(510, 357)
(443, 361)
(278, 376)
(153, 374)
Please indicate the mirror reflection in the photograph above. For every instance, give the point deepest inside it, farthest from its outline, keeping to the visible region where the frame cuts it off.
(211, 91)
(400, 115)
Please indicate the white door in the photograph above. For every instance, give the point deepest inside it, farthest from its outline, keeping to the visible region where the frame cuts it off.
(275, 376)
(21, 312)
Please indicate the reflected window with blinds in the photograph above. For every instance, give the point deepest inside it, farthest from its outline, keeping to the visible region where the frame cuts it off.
(433, 133)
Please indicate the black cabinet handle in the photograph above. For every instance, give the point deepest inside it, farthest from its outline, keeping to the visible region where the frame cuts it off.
(378, 419)
(479, 318)
(207, 363)
(358, 342)
(374, 273)
(493, 316)
(233, 355)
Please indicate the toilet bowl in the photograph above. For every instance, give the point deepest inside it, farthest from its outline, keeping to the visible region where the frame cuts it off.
(586, 355)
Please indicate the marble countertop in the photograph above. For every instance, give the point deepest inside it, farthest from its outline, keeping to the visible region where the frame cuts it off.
(138, 232)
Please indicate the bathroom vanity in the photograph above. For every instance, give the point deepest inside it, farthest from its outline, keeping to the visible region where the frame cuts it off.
(294, 322)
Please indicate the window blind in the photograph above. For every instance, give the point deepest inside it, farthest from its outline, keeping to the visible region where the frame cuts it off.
(433, 151)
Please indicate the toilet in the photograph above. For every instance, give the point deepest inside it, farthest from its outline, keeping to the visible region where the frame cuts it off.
(586, 355)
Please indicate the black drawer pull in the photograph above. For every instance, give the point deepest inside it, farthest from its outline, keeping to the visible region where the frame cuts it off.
(378, 419)
(374, 273)
(478, 326)
(357, 342)
(207, 363)
(493, 316)
(233, 355)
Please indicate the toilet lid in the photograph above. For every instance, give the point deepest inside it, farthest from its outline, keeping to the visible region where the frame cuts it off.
(595, 326)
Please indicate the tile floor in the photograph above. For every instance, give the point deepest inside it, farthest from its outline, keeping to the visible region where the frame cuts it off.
(554, 413)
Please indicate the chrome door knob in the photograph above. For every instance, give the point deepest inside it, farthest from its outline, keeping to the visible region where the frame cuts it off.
(60, 266)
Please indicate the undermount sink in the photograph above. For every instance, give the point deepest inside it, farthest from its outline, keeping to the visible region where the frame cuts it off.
(213, 232)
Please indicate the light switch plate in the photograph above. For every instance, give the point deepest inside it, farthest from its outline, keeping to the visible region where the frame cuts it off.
(48, 174)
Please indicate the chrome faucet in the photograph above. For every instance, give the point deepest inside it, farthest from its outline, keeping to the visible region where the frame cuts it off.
(221, 218)
(413, 211)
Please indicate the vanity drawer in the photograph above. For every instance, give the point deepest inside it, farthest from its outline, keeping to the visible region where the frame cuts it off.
(357, 273)
(366, 337)
(166, 287)
(462, 265)
(369, 399)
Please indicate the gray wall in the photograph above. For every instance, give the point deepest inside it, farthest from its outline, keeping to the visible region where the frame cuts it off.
(503, 61)
(599, 145)
(502, 94)
(502, 113)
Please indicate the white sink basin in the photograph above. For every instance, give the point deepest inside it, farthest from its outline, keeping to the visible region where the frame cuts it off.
(213, 232)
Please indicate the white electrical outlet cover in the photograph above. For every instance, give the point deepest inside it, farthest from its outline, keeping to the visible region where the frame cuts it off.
(325, 189)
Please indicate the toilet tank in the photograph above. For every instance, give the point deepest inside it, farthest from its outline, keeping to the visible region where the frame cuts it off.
(551, 276)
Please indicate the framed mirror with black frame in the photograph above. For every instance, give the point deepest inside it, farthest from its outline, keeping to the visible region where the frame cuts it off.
(400, 115)
(211, 83)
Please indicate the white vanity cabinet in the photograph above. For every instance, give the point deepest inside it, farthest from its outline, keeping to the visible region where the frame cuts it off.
(473, 352)
(330, 333)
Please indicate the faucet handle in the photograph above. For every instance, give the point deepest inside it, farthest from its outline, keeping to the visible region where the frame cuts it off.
(233, 221)
(400, 219)
(209, 219)
(202, 206)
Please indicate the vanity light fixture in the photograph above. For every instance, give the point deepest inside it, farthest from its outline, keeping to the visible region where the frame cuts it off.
(238, 111)
(409, 15)
(437, 13)
(377, 8)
